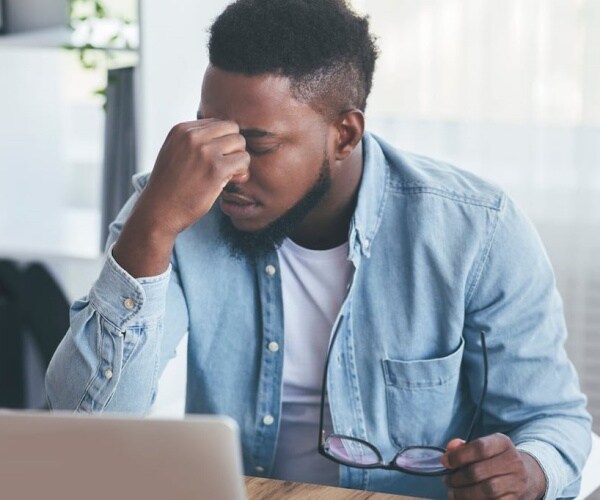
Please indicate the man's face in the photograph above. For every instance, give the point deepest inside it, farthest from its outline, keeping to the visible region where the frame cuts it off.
(287, 141)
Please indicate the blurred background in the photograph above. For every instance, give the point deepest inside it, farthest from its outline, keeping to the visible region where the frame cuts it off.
(508, 89)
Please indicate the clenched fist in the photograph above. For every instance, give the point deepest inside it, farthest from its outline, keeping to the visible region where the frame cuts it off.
(196, 161)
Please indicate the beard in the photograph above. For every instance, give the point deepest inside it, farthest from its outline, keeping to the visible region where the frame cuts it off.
(257, 244)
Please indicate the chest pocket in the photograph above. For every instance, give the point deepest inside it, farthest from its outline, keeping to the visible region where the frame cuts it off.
(422, 396)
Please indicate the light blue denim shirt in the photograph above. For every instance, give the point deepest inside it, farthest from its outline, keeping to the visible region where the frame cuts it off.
(438, 256)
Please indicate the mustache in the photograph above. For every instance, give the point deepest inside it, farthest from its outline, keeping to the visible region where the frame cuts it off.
(233, 189)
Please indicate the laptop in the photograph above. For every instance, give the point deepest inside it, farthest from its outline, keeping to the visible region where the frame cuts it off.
(65, 456)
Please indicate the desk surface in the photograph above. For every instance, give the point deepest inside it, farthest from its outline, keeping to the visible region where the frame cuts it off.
(259, 488)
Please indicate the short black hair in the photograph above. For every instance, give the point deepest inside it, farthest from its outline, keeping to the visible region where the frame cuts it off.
(322, 46)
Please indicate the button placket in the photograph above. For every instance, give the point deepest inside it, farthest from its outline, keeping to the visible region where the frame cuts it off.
(270, 364)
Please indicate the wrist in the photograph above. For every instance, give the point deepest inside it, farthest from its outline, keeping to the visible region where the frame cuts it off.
(144, 247)
(536, 479)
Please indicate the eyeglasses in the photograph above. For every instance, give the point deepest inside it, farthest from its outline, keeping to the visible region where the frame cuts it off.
(417, 460)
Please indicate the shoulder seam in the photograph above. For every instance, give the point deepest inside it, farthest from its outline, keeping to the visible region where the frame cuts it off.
(491, 203)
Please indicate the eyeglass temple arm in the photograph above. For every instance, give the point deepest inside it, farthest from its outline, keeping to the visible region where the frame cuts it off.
(324, 386)
(479, 407)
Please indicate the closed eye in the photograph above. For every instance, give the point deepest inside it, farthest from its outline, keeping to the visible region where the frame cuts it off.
(257, 150)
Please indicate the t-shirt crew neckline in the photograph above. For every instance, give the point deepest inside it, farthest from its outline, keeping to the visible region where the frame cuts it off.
(309, 254)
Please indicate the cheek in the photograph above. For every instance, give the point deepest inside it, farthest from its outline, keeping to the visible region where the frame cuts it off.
(284, 179)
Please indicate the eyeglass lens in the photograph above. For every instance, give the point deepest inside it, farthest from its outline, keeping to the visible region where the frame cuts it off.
(351, 451)
(421, 460)
(415, 459)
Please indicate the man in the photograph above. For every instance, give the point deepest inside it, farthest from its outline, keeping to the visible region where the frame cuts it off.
(275, 229)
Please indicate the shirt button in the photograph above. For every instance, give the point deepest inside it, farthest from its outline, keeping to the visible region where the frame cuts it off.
(108, 373)
(273, 346)
(268, 420)
(258, 468)
(270, 270)
(129, 303)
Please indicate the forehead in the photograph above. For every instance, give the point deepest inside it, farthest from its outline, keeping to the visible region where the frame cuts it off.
(258, 101)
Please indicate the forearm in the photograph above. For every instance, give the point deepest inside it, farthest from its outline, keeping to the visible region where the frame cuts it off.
(145, 244)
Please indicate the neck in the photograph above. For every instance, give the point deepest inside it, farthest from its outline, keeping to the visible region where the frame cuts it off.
(327, 225)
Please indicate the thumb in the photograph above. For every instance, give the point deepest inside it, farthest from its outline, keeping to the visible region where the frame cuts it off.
(453, 444)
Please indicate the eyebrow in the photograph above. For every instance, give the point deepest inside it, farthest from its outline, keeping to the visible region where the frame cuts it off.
(247, 132)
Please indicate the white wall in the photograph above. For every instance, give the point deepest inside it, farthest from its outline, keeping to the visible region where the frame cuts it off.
(174, 56)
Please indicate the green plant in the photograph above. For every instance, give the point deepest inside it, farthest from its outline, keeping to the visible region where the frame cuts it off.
(87, 16)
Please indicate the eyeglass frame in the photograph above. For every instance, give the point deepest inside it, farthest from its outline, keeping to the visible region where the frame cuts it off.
(392, 464)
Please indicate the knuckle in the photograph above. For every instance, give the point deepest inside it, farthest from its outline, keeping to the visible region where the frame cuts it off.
(204, 152)
(175, 130)
(502, 438)
(493, 487)
(480, 447)
(180, 128)
(188, 137)
(474, 473)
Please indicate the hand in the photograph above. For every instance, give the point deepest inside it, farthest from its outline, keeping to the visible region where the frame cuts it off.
(492, 467)
(196, 161)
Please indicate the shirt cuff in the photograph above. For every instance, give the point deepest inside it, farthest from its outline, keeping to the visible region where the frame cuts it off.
(551, 463)
(122, 299)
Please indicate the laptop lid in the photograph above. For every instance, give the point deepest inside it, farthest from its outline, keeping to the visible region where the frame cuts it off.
(65, 456)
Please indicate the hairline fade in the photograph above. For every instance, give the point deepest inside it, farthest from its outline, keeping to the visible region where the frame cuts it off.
(322, 46)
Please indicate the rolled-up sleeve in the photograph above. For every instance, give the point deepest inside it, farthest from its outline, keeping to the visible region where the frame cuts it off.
(117, 327)
(114, 351)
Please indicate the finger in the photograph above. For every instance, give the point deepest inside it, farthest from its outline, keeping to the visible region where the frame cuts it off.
(452, 445)
(227, 144)
(224, 156)
(477, 450)
(495, 487)
(208, 128)
(483, 470)
(234, 166)
(455, 443)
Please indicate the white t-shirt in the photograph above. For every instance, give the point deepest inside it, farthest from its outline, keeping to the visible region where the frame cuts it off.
(313, 287)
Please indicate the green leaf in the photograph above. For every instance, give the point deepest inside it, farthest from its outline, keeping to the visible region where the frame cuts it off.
(100, 9)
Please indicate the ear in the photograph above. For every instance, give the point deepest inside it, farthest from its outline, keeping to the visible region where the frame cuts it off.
(349, 129)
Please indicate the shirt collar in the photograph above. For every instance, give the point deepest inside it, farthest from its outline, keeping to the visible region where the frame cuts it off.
(372, 194)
